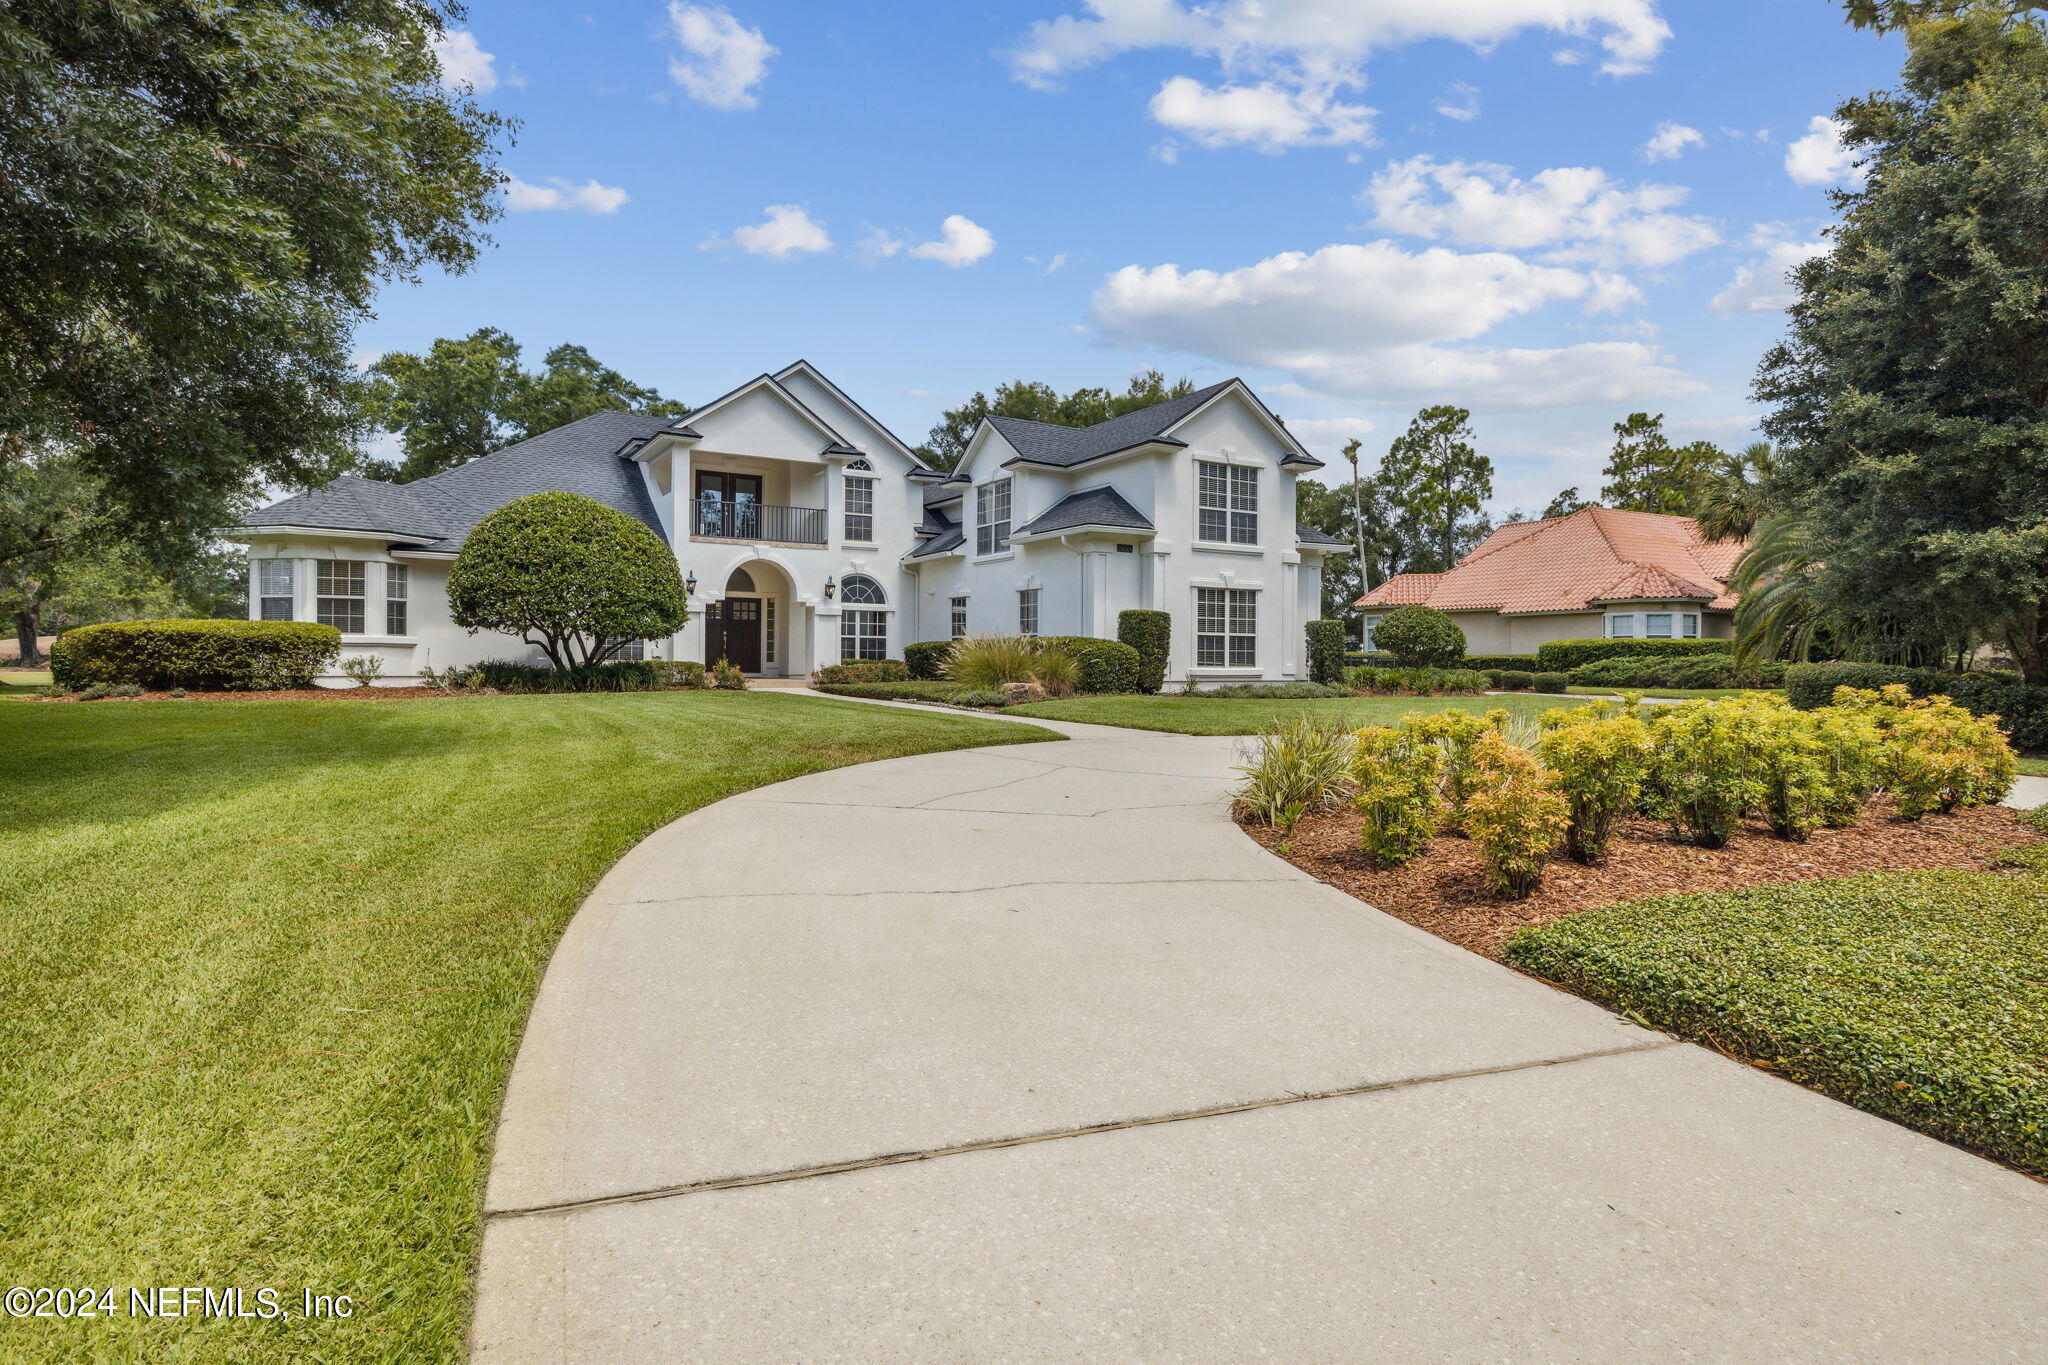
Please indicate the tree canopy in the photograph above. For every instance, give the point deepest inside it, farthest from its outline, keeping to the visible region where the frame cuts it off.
(1039, 402)
(200, 201)
(1910, 396)
(1646, 473)
(1438, 482)
(467, 396)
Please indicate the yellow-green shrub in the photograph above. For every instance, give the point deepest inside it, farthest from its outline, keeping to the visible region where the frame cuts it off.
(1705, 775)
(1942, 757)
(1400, 780)
(1796, 787)
(1854, 756)
(1456, 732)
(1601, 762)
(1514, 813)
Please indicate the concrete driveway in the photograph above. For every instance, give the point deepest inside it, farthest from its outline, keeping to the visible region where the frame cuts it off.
(1028, 1054)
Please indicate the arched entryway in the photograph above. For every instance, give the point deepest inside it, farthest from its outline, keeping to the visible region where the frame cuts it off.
(750, 622)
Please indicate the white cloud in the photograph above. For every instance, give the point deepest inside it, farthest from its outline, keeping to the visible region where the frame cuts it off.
(722, 59)
(787, 231)
(1460, 102)
(1760, 286)
(361, 359)
(463, 63)
(1320, 36)
(1374, 321)
(1819, 158)
(961, 241)
(562, 195)
(919, 393)
(1326, 437)
(879, 244)
(1576, 211)
(1057, 262)
(1670, 141)
(1268, 116)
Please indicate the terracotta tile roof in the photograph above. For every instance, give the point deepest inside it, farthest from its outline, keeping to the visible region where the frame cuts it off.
(1576, 563)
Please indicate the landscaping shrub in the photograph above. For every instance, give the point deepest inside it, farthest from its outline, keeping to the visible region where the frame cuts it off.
(975, 698)
(1513, 813)
(2021, 708)
(926, 659)
(1854, 757)
(1523, 663)
(1562, 656)
(1703, 778)
(1683, 671)
(1510, 680)
(681, 672)
(1558, 683)
(364, 669)
(1270, 691)
(1413, 682)
(865, 670)
(238, 655)
(102, 691)
(1325, 651)
(987, 663)
(1601, 760)
(726, 675)
(1796, 787)
(1105, 665)
(1808, 686)
(1299, 766)
(1420, 637)
(917, 689)
(1150, 633)
(519, 676)
(1399, 781)
(1937, 755)
(1917, 996)
(1457, 733)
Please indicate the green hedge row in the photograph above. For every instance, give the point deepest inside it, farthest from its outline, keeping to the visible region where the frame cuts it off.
(257, 656)
(925, 658)
(865, 671)
(2022, 708)
(1325, 651)
(1915, 995)
(1525, 663)
(1562, 656)
(1151, 634)
(1106, 665)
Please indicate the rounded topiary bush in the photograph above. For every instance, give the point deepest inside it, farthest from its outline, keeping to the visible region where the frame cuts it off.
(236, 655)
(1326, 650)
(1151, 634)
(1420, 637)
(568, 574)
(926, 658)
(1106, 665)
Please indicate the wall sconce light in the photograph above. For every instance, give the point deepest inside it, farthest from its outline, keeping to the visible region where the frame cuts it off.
(830, 587)
(690, 584)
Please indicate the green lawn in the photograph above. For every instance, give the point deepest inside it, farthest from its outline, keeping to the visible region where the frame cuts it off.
(1247, 716)
(1679, 693)
(22, 682)
(1921, 996)
(2034, 767)
(264, 965)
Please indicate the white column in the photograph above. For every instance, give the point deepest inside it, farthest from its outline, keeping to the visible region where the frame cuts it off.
(1095, 593)
(305, 589)
(255, 590)
(1293, 637)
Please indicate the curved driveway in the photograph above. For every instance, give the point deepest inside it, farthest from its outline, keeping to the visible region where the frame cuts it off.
(1027, 1054)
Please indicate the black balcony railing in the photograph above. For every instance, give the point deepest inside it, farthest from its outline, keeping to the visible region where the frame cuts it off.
(760, 521)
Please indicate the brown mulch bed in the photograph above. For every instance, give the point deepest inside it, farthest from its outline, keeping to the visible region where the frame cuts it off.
(1444, 891)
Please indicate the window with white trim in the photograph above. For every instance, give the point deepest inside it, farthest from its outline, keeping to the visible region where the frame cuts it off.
(860, 589)
(1372, 623)
(633, 651)
(1621, 627)
(274, 588)
(338, 600)
(1228, 503)
(959, 622)
(767, 630)
(1226, 627)
(397, 583)
(992, 517)
(860, 511)
(1656, 625)
(862, 634)
(1027, 611)
(1653, 625)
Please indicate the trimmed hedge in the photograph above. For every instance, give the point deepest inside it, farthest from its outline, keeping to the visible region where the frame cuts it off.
(1562, 656)
(1551, 682)
(915, 689)
(1699, 670)
(2021, 707)
(1106, 665)
(1420, 637)
(1510, 679)
(257, 656)
(925, 658)
(1151, 634)
(865, 671)
(1325, 651)
(1808, 686)
(1919, 996)
(1524, 663)
(613, 675)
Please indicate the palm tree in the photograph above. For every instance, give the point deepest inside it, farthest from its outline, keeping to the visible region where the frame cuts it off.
(1733, 501)
(1777, 616)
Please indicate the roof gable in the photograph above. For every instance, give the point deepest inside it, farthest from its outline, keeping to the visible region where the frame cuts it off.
(852, 415)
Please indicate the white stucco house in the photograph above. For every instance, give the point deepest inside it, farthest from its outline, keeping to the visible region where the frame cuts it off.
(809, 533)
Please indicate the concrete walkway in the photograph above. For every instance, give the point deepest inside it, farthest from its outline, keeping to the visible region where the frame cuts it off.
(1028, 1054)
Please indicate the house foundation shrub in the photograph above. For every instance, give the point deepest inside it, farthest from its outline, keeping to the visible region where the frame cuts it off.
(1150, 633)
(1513, 812)
(1562, 656)
(1106, 666)
(1524, 663)
(1413, 682)
(865, 671)
(1510, 680)
(213, 655)
(1809, 686)
(1682, 671)
(926, 659)
(1325, 651)
(1420, 637)
(1558, 683)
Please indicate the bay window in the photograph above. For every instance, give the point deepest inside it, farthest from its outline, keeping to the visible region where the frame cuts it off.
(274, 589)
(339, 595)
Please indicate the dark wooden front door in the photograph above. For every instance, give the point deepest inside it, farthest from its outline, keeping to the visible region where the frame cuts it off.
(732, 630)
(728, 505)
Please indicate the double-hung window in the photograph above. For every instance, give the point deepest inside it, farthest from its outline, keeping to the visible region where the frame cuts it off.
(1621, 627)
(992, 517)
(860, 511)
(339, 600)
(274, 588)
(1226, 628)
(959, 621)
(863, 634)
(1657, 625)
(1228, 503)
(396, 585)
(1372, 623)
(1027, 611)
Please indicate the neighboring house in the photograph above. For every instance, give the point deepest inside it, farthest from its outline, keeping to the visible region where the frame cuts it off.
(1597, 573)
(808, 533)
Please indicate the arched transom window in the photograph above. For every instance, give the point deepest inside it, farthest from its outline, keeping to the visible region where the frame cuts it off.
(862, 590)
(741, 581)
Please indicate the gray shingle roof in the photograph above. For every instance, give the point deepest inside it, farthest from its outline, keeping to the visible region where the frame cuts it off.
(935, 493)
(1309, 535)
(438, 512)
(1045, 443)
(1089, 507)
(951, 539)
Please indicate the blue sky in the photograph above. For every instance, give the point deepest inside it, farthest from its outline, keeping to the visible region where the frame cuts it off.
(1549, 211)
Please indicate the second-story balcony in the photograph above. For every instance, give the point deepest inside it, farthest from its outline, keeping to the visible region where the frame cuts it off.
(742, 519)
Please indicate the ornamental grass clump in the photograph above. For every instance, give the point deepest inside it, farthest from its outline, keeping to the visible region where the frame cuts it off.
(1601, 762)
(985, 663)
(1515, 814)
(1298, 767)
(1400, 793)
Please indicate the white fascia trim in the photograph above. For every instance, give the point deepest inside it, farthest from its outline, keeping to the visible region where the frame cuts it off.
(1095, 462)
(797, 404)
(1259, 410)
(1090, 528)
(443, 555)
(247, 533)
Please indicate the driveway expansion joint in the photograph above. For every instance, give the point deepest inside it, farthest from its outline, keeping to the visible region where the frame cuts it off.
(1087, 1130)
